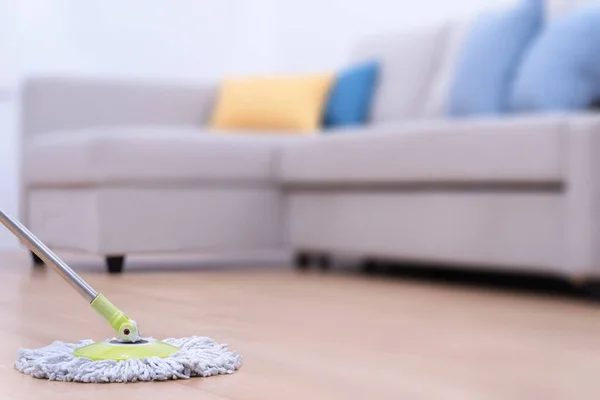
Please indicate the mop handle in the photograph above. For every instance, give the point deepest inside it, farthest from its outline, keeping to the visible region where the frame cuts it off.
(126, 327)
(51, 259)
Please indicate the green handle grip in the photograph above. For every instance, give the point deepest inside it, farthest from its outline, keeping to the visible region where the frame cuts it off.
(120, 322)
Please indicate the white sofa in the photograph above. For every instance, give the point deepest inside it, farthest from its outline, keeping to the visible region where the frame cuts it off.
(114, 168)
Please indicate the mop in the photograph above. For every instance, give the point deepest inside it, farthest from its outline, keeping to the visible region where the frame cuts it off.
(129, 357)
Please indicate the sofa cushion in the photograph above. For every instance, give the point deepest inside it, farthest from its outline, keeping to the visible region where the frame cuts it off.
(408, 62)
(436, 103)
(515, 150)
(566, 54)
(142, 154)
(350, 98)
(272, 103)
(490, 59)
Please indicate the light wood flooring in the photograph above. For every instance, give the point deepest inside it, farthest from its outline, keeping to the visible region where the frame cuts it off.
(313, 336)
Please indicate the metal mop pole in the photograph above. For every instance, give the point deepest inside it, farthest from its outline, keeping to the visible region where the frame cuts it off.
(51, 259)
(126, 327)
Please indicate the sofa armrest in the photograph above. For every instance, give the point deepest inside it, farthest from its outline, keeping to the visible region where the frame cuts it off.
(56, 104)
(582, 187)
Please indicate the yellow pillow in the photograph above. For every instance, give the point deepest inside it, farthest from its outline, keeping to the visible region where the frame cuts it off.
(272, 103)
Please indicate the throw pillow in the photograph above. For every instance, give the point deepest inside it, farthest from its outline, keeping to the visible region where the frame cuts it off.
(350, 98)
(279, 103)
(490, 58)
(562, 70)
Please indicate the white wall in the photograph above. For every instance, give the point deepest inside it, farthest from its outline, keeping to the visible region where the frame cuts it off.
(205, 39)
(8, 164)
(190, 40)
(182, 39)
(8, 115)
(314, 34)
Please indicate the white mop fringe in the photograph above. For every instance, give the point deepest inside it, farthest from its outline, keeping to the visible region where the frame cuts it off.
(198, 356)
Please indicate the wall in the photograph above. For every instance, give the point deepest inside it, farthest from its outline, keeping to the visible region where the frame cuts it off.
(8, 164)
(189, 40)
(315, 34)
(8, 116)
(204, 39)
(183, 39)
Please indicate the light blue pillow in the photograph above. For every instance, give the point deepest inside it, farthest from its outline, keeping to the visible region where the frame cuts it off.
(562, 70)
(350, 98)
(490, 57)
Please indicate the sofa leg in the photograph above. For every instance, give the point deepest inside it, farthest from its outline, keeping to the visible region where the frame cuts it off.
(37, 262)
(115, 264)
(302, 260)
(369, 266)
(324, 262)
(591, 289)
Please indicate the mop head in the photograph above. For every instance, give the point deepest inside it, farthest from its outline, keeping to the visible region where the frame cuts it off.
(197, 356)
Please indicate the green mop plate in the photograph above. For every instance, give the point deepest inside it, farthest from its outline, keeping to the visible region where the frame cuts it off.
(118, 351)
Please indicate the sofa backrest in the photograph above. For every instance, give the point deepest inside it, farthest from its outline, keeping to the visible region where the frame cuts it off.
(436, 101)
(417, 66)
(410, 63)
(51, 104)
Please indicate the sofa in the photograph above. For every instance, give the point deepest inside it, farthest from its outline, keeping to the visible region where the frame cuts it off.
(117, 168)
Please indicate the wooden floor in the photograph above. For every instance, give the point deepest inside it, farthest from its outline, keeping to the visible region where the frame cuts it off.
(314, 336)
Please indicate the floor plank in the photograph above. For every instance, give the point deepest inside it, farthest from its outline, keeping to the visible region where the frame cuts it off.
(313, 335)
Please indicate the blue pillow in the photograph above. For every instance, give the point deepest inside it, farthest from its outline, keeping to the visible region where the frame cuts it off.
(490, 57)
(562, 70)
(350, 98)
